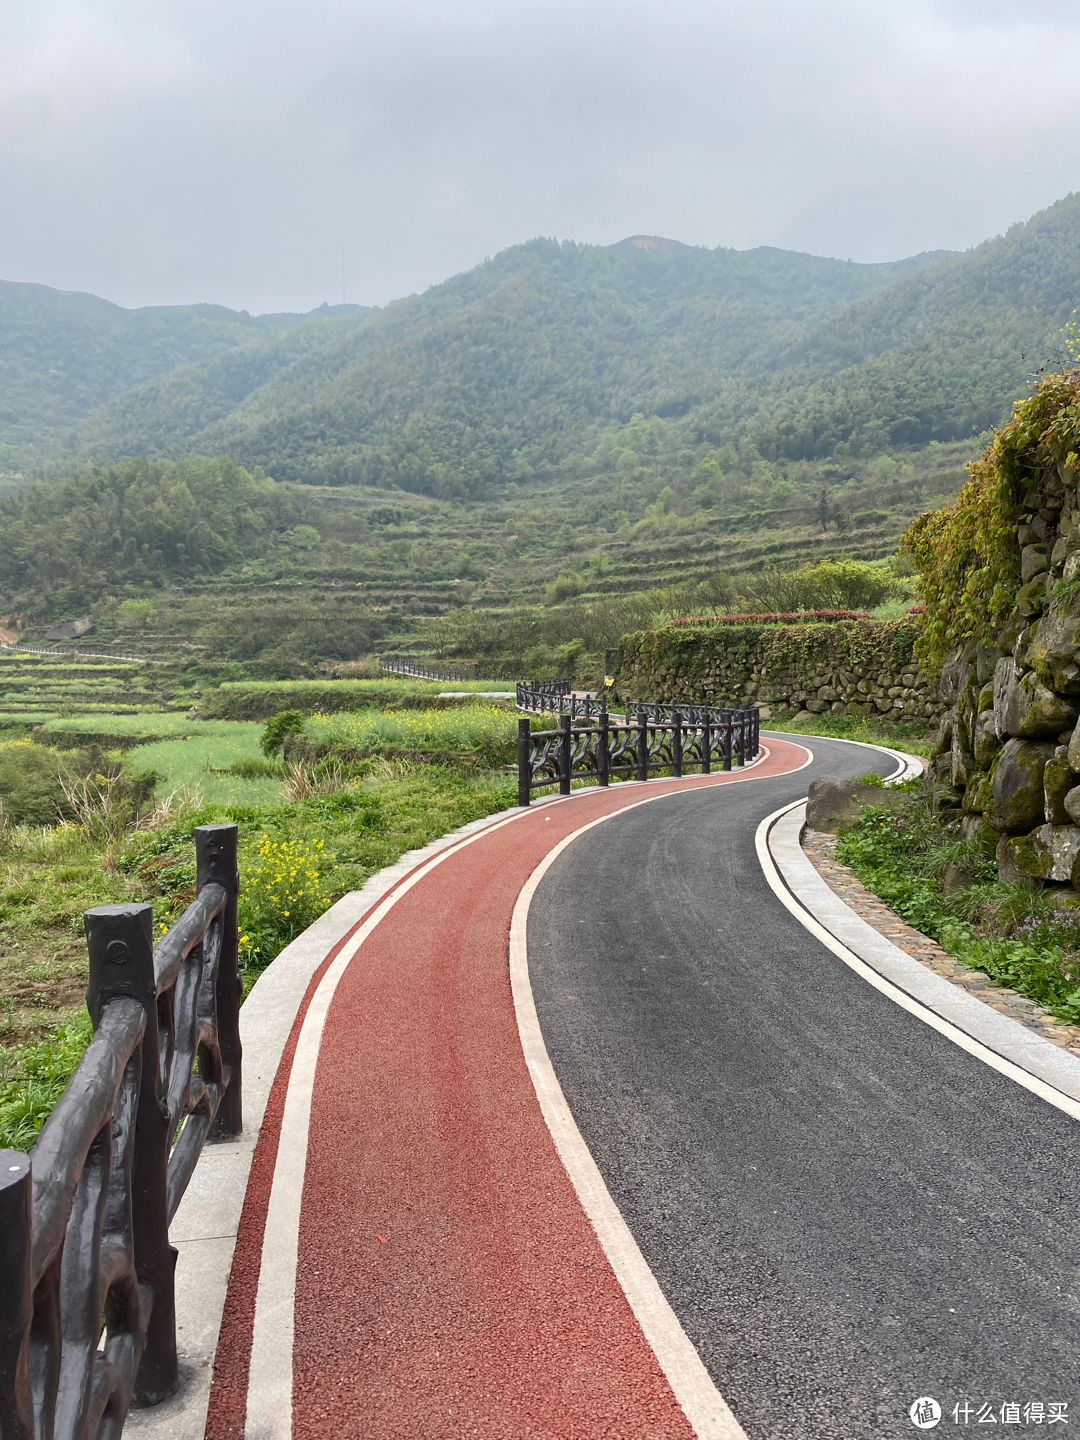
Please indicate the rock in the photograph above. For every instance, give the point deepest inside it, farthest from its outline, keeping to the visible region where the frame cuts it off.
(70, 629)
(1025, 707)
(1032, 599)
(1045, 711)
(1058, 780)
(1071, 805)
(978, 796)
(1034, 559)
(1007, 715)
(1048, 853)
(1018, 786)
(1053, 653)
(956, 879)
(834, 804)
(954, 673)
(962, 763)
(1008, 872)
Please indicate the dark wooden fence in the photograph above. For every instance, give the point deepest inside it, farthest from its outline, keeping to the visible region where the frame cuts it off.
(546, 696)
(87, 1320)
(650, 739)
(419, 672)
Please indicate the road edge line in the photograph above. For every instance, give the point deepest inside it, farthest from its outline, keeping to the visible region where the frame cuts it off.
(270, 1367)
(705, 1408)
(781, 873)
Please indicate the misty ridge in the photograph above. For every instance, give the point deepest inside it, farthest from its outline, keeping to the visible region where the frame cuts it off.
(523, 369)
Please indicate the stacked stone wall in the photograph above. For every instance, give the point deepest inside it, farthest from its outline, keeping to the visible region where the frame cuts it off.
(859, 667)
(1008, 753)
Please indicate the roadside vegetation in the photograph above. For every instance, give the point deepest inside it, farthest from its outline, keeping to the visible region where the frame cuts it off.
(948, 888)
(313, 825)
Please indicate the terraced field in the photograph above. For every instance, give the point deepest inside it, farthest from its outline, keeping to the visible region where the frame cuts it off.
(34, 688)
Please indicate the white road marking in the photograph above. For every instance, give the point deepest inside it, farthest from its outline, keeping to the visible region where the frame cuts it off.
(269, 1393)
(894, 992)
(702, 1403)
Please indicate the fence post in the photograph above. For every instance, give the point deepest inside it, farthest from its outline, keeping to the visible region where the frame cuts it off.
(215, 864)
(564, 756)
(756, 716)
(524, 768)
(728, 720)
(706, 742)
(119, 939)
(642, 744)
(603, 762)
(742, 737)
(16, 1296)
(676, 742)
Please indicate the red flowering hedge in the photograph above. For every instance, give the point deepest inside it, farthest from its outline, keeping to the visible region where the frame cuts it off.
(797, 617)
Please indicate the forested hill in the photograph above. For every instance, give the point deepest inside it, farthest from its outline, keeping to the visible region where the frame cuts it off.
(64, 354)
(499, 373)
(532, 365)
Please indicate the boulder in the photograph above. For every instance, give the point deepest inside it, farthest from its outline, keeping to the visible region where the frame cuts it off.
(1034, 559)
(1007, 714)
(954, 673)
(1049, 853)
(1017, 786)
(1032, 599)
(70, 629)
(1071, 805)
(834, 804)
(1054, 651)
(1046, 712)
(1058, 780)
(956, 879)
(1025, 707)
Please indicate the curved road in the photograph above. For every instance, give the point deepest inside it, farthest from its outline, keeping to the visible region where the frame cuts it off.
(845, 1210)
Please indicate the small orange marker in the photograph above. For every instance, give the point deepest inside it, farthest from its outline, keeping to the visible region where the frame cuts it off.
(381, 1239)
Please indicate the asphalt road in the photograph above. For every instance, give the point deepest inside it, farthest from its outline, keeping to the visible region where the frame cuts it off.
(845, 1210)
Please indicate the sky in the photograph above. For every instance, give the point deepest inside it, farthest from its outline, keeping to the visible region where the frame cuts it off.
(275, 155)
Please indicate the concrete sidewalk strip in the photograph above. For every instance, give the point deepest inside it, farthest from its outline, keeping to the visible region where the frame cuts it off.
(1052, 1071)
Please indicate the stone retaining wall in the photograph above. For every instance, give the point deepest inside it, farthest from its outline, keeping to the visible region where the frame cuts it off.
(849, 667)
(1008, 754)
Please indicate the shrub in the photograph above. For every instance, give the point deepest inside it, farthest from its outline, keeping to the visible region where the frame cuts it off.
(286, 888)
(285, 722)
(967, 553)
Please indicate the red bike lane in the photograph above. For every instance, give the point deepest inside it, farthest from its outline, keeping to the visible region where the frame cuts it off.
(443, 1279)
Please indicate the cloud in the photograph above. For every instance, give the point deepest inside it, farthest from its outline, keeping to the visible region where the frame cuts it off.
(232, 151)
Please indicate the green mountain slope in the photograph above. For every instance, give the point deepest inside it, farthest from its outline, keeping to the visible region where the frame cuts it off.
(937, 356)
(501, 372)
(64, 354)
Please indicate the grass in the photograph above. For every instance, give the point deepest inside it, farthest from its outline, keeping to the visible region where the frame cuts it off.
(376, 686)
(485, 729)
(908, 735)
(226, 767)
(369, 811)
(1012, 933)
(155, 723)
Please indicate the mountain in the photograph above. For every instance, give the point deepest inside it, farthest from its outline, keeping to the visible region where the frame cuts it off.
(64, 354)
(497, 374)
(531, 368)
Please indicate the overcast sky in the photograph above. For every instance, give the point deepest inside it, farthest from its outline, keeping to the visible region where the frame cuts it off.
(166, 151)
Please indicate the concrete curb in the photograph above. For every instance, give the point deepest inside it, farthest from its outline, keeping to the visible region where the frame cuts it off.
(813, 901)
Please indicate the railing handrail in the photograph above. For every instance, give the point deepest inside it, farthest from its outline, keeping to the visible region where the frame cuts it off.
(419, 672)
(635, 745)
(93, 1203)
